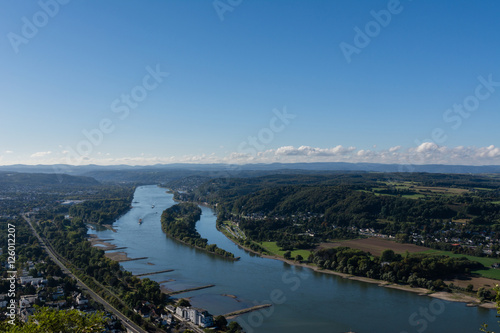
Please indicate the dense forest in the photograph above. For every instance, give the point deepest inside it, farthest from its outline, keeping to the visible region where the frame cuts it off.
(105, 207)
(179, 222)
(100, 211)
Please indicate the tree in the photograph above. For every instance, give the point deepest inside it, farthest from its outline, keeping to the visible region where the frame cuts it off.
(183, 302)
(287, 255)
(483, 294)
(46, 320)
(388, 255)
(234, 327)
(220, 322)
(497, 300)
(298, 257)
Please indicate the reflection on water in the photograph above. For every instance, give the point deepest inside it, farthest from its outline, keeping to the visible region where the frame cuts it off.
(304, 300)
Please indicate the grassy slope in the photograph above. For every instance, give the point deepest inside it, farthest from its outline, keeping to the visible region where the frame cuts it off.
(274, 249)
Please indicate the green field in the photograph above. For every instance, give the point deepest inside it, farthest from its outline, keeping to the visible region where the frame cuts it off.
(274, 249)
(487, 262)
(413, 196)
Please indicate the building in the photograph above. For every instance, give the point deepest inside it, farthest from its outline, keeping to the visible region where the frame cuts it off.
(81, 300)
(24, 280)
(182, 312)
(198, 317)
(204, 319)
(27, 300)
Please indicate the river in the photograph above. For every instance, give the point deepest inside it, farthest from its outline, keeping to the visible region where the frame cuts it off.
(304, 300)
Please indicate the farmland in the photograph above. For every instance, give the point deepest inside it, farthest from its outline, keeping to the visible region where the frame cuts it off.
(375, 246)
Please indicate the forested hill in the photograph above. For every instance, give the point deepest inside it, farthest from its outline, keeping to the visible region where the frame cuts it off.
(420, 208)
(43, 179)
(403, 184)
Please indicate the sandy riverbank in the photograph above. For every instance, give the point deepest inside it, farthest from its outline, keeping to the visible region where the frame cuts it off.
(105, 246)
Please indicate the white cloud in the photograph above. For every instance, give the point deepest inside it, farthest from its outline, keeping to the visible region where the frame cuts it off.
(394, 149)
(310, 151)
(426, 147)
(9, 152)
(41, 154)
(425, 153)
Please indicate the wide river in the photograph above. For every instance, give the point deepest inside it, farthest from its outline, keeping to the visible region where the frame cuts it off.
(303, 300)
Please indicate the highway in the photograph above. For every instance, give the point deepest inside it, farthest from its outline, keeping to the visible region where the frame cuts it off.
(131, 326)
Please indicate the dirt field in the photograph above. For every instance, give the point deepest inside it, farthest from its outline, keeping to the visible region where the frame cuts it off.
(375, 245)
(477, 282)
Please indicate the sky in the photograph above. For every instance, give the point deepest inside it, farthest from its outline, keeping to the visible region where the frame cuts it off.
(238, 81)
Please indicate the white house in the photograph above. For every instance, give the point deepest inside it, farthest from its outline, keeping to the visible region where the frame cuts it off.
(27, 300)
(182, 312)
(81, 300)
(24, 280)
(200, 317)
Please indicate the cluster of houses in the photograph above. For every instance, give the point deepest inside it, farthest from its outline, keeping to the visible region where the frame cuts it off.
(53, 298)
(148, 311)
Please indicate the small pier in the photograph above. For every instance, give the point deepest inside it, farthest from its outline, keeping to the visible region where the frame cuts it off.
(233, 314)
(190, 289)
(152, 273)
(116, 248)
(132, 259)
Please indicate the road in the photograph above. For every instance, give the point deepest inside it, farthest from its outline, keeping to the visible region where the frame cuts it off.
(131, 327)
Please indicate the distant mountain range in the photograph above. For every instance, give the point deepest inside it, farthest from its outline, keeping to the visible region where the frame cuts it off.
(234, 169)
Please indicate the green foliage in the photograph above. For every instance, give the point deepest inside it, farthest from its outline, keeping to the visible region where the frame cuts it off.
(103, 275)
(300, 211)
(484, 327)
(179, 222)
(183, 302)
(234, 327)
(46, 320)
(390, 256)
(102, 210)
(417, 270)
(220, 322)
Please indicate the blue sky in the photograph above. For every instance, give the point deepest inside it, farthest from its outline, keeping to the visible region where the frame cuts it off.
(249, 81)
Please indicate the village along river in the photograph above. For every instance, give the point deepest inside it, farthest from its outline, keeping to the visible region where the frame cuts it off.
(303, 300)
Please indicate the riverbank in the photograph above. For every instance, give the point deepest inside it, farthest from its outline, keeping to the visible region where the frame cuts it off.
(202, 249)
(446, 296)
(105, 246)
